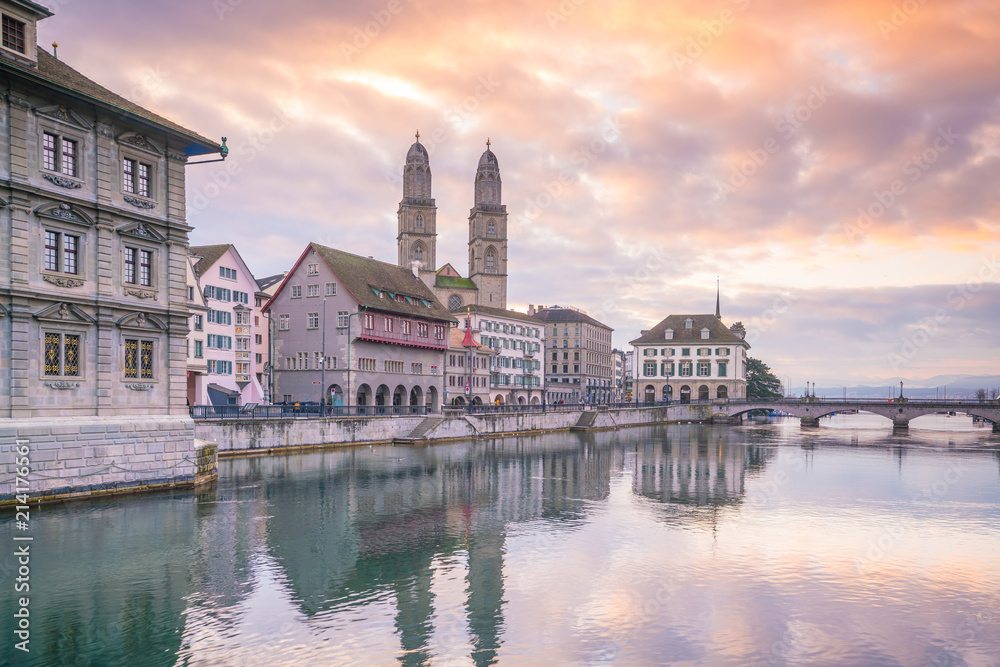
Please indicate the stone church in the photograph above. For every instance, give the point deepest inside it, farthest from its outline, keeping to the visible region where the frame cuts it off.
(486, 284)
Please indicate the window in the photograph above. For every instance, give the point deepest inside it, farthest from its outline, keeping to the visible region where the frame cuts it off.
(138, 358)
(197, 349)
(220, 367)
(685, 351)
(283, 322)
(423, 330)
(418, 253)
(705, 334)
(406, 327)
(242, 318)
(312, 290)
(490, 259)
(61, 252)
(387, 324)
(220, 317)
(491, 228)
(649, 368)
(454, 302)
(722, 369)
(227, 273)
(704, 369)
(668, 334)
(198, 323)
(686, 368)
(416, 369)
(312, 321)
(313, 269)
(419, 223)
(136, 177)
(369, 321)
(13, 34)
(393, 366)
(138, 267)
(62, 355)
(365, 364)
(258, 340)
(343, 319)
(243, 344)
(704, 351)
(439, 331)
(296, 291)
(58, 154)
(722, 351)
(220, 342)
(331, 289)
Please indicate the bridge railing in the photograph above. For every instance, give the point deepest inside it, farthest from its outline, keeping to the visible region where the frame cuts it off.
(855, 401)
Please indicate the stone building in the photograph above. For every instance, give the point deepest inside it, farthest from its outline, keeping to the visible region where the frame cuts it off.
(516, 373)
(93, 305)
(577, 355)
(690, 357)
(372, 333)
(417, 235)
(265, 333)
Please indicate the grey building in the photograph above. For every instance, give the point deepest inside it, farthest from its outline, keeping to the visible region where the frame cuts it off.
(578, 359)
(93, 298)
(372, 333)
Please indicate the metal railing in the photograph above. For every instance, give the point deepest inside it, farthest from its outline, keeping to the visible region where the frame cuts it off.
(303, 410)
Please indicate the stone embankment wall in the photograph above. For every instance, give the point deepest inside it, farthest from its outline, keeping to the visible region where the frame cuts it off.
(91, 456)
(262, 436)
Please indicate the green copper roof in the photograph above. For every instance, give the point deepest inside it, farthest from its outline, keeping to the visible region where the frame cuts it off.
(454, 282)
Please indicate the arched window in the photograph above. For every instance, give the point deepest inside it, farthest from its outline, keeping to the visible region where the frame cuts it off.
(491, 228)
(419, 222)
(418, 253)
(491, 259)
(722, 392)
(703, 393)
(454, 302)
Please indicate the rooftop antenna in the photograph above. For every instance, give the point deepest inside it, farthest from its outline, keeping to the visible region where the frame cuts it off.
(55, 50)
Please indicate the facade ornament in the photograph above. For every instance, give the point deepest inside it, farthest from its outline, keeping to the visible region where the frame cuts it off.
(63, 311)
(140, 319)
(140, 141)
(62, 182)
(140, 293)
(18, 102)
(18, 208)
(65, 211)
(105, 227)
(138, 386)
(62, 281)
(105, 131)
(139, 203)
(62, 384)
(176, 157)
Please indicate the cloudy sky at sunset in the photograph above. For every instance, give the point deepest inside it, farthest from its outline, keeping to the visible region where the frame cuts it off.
(835, 163)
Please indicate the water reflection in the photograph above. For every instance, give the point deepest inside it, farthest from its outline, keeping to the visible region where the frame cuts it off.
(714, 545)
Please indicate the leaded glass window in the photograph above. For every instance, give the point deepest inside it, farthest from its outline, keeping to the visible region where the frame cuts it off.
(52, 354)
(131, 358)
(71, 354)
(146, 358)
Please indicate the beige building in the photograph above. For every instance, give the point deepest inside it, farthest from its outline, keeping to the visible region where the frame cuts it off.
(417, 234)
(578, 356)
(690, 357)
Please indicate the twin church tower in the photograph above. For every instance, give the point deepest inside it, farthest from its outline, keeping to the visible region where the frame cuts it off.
(417, 238)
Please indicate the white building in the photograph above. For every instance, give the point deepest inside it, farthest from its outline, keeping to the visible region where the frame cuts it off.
(516, 373)
(690, 357)
(228, 289)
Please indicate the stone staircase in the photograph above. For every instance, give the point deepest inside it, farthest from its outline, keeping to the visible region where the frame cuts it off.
(419, 433)
(585, 422)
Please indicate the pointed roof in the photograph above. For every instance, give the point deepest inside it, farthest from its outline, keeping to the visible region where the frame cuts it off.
(718, 292)
(417, 152)
(208, 255)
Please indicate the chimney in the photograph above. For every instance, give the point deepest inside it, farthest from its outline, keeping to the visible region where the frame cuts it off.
(531, 309)
(415, 267)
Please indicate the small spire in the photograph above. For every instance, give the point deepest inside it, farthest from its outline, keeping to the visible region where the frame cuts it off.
(418, 136)
(488, 144)
(718, 292)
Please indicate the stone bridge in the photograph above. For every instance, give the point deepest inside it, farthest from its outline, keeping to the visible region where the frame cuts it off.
(900, 411)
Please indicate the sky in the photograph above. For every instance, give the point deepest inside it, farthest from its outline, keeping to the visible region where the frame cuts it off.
(833, 164)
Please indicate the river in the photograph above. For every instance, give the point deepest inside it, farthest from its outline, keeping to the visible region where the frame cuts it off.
(688, 544)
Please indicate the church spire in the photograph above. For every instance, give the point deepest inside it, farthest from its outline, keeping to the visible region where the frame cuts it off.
(718, 292)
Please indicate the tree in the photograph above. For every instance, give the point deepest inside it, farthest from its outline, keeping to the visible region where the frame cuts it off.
(761, 382)
(738, 329)
(981, 395)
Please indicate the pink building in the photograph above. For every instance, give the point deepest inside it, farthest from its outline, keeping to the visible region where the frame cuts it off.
(228, 329)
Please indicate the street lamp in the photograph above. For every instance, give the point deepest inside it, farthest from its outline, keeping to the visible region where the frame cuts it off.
(322, 366)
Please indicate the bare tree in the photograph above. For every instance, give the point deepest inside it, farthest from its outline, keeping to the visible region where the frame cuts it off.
(981, 395)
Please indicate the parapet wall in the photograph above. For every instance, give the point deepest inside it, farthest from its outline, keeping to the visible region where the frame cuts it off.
(76, 457)
(246, 436)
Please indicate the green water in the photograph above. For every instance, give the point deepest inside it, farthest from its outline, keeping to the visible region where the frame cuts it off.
(758, 544)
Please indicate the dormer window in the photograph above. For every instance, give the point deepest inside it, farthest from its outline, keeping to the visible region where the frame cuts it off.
(13, 34)
(704, 334)
(668, 334)
(688, 323)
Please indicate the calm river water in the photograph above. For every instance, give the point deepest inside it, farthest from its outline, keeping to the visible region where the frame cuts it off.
(761, 544)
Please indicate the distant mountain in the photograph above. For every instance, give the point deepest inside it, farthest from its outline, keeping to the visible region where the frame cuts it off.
(957, 386)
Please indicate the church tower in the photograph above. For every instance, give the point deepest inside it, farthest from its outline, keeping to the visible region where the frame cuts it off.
(417, 215)
(488, 235)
